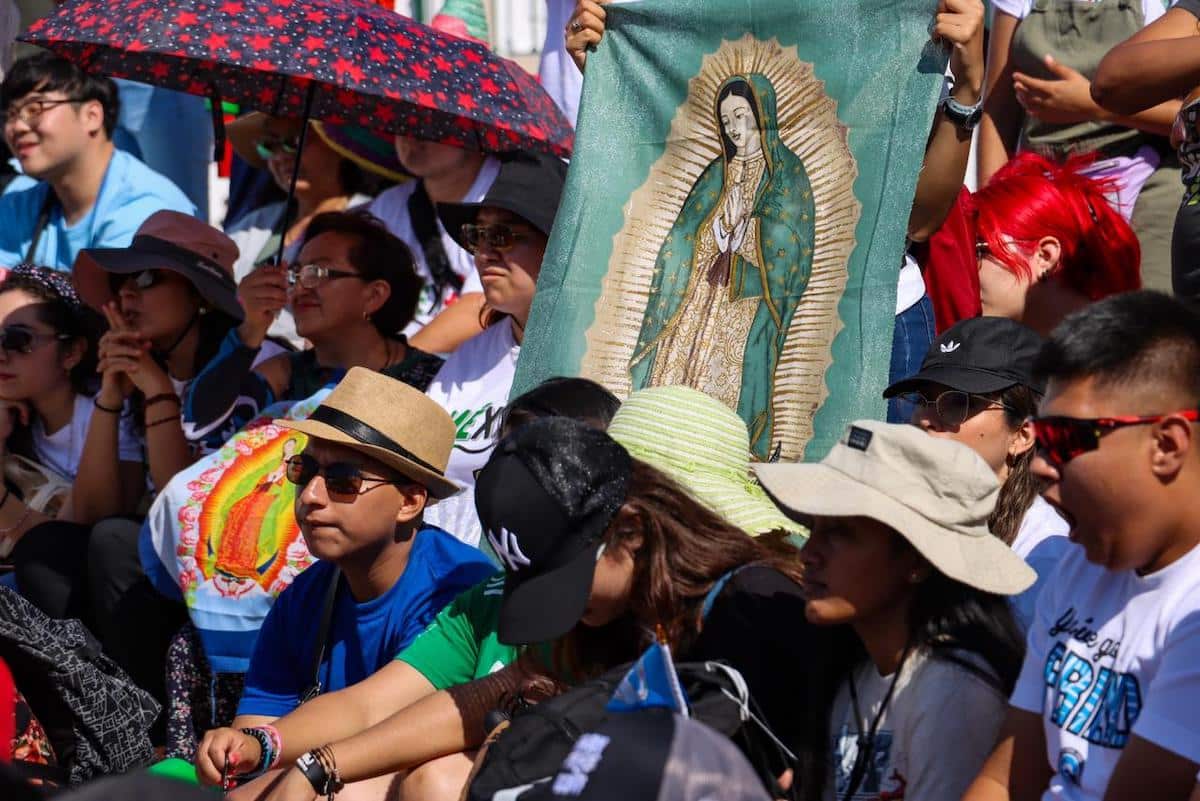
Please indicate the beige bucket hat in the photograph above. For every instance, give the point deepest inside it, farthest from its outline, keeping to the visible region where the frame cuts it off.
(390, 421)
(935, 493)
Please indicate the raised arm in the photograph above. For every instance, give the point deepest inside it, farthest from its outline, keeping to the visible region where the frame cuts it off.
(1002, 115)
(1161, 62)
(959, 22)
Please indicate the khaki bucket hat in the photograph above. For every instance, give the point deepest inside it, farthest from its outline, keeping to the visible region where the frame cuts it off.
(390, 421)
(935, 493)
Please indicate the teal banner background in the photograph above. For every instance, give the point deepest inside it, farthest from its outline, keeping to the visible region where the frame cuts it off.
(876, 61)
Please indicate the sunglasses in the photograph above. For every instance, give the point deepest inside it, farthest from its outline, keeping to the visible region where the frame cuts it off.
(343, 481)
(268, 147)
(311, 276)
(954, 407)
(499, 237)
(1061, 439)
(15, 339)
(146, 279)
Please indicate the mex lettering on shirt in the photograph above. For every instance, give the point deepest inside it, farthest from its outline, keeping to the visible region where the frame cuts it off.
(478, 428)
(1089, 698)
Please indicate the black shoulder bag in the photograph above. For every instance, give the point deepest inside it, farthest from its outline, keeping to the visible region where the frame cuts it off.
(314, 687)
(424, 222)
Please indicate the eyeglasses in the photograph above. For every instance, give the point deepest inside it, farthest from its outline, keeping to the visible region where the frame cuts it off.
(268, 147)
(343, 481)
(497, 237)
(311, 276)
(29, 112)
(17, 339)
(1061, 439)
(954, 407)
(146, 279)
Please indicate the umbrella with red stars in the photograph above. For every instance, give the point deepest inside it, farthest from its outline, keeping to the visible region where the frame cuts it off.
(342, 61)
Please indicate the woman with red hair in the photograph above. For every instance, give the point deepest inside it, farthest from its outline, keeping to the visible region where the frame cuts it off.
(1049, 242)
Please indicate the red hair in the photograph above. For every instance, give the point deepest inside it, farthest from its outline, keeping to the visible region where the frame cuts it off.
(1032, 197)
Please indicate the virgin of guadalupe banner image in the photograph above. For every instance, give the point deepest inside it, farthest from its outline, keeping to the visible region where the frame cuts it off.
(735, 213)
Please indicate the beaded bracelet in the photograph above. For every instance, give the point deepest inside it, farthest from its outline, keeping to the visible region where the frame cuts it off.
(267, 757)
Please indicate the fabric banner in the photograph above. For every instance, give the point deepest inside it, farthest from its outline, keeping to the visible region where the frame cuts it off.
(735, 214)
(223, 536)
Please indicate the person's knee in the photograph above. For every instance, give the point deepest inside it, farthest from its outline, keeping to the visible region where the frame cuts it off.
(113, 541)
(437, 780)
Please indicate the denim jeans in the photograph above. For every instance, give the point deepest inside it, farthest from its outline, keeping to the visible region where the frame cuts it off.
(915, 332)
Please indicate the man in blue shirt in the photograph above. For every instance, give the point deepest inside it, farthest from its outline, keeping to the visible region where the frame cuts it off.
(376, 456)
(58, 123)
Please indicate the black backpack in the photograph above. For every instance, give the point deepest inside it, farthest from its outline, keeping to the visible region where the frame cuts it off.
(540, 737)
(96, 717)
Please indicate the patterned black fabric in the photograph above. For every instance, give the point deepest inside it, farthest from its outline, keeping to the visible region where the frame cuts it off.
(75, 690)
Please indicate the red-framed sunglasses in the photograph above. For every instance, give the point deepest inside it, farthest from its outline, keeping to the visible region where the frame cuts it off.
(1061, 439)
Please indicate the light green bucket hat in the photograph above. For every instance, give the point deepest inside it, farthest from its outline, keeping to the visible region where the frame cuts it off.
(703, 445)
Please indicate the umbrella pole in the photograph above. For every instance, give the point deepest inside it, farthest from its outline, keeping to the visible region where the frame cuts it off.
(286, 221)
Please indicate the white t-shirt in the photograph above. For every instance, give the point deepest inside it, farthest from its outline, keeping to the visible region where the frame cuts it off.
(557, 73)
(392, 207)
(473, 386)
(62, 450)
(1151, 9)
(1112, 655)
(931, 740)
(1042, 542)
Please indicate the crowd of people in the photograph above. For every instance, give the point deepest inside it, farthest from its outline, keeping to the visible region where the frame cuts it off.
(990, 596)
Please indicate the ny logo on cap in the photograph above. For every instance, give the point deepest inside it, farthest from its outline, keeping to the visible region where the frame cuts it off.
(950, 347)
(508, 549)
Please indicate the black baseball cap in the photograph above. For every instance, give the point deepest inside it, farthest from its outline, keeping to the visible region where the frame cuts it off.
(651, 755)
(529, 185)
(545, 498)
(979, 355)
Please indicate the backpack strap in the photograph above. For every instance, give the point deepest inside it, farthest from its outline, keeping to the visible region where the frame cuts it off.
(711, 597)
(424, 222)
(314, 687)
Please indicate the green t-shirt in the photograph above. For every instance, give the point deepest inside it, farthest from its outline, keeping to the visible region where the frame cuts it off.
(460, 645)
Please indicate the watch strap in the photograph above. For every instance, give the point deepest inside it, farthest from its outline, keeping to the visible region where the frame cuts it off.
(962, 115)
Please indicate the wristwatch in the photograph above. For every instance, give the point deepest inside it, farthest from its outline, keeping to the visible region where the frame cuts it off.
(965, 117)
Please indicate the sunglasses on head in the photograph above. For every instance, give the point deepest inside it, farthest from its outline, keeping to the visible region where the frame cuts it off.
(17, 339)
(498, 236)
(343, 481)
(269, 146)
(146, 279)
(953, 406)
(1061, 439)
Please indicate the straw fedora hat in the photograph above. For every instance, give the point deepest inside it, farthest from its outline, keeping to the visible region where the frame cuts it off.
(389, 421)
(935, 493)
(369, 150)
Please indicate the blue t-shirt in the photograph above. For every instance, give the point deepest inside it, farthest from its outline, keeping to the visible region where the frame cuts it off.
(362, 637)
(129, 194)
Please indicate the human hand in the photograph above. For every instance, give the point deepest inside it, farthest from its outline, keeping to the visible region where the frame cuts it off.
(292, 787)
(242, 752)
(124, 353)
(960, 23)
(1062, 100)
(263, 294)
(585, 29)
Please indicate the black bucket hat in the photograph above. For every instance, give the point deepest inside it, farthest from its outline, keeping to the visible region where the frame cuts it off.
(528, 185)
(545, 498)
(980, 355)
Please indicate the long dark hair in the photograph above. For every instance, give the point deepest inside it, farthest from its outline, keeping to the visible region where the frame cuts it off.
(1021, 487)
(736, 88)
(685, 549)
(947, 620)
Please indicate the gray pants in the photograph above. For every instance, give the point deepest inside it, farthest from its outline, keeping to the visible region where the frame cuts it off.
(1153, 221)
